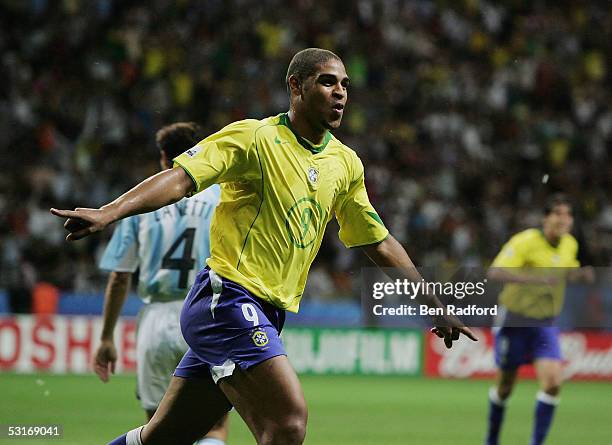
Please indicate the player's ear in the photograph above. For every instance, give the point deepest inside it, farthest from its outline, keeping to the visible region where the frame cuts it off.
(295, 86)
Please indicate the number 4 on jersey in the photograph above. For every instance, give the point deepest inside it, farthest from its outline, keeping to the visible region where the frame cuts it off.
(185, 263)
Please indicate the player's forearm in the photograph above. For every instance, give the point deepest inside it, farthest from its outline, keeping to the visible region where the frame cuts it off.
(153, 193)
(114, 298)
(510, 275)
(390, 255)
(583, 274)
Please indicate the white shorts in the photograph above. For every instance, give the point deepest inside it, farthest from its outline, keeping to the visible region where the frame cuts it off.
(159, 348)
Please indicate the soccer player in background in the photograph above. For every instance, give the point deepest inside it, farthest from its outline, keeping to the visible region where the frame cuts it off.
(282, 179)
(168, 246)
(534, 265)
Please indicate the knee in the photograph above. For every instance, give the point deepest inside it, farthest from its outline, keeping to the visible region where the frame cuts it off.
(551, 384)
(504, 390)
(552, 388)
(291, 431)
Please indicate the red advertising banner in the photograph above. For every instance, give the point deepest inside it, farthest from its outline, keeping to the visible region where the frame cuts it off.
(587, 356)
(61, 344)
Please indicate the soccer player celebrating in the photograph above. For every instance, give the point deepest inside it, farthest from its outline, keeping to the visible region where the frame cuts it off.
(282, 179)
(169, 246)
(532, 299)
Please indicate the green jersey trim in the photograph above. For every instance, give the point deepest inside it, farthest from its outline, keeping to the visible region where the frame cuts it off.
(186, 170)
(376, 218)
(314, 149)
(263, 182)
(371, 243)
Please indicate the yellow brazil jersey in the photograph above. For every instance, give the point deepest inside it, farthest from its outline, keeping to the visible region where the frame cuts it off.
(278, 192)
(532, 253)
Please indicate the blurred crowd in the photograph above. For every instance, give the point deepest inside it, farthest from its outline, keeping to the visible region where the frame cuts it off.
(467, 114)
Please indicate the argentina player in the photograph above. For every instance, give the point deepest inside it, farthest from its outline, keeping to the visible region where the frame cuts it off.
(168, 246)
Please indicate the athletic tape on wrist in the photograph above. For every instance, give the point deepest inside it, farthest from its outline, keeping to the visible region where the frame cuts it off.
(133, 437)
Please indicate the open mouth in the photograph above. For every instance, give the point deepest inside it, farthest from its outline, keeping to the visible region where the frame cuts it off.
(338, 107)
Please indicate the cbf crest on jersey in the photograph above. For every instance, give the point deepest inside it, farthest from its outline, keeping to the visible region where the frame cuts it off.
(260, 338)
(313, 175)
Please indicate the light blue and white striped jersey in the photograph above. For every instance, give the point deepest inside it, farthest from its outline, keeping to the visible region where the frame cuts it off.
(169, 246)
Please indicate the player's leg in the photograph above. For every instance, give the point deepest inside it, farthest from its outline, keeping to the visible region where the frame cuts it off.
(510, 346)
(155, 361)
(504, 384)
(190, 404)
(269, 398)
(188, 410)
(217, 434)
(237, 335)
(193, 403)
(498, 395)
(549, 373)
(160, 347)
(178, 349)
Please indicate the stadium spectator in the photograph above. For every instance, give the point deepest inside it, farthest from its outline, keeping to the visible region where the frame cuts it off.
(467, 115)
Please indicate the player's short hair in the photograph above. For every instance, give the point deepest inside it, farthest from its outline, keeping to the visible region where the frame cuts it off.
(174, 139)
(555, 200)
(304, 63)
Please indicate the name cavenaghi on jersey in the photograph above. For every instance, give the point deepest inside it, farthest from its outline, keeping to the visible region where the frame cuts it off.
(193, 206)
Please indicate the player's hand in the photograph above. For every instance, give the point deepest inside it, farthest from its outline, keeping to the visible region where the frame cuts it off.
(451, 334)
(82, 222)
(587, 274)
(105, 360)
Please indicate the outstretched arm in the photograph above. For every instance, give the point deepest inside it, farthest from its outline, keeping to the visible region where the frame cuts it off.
(390, 253)
(585, 274)
(157, 191)
(114, 298)
(518, 276)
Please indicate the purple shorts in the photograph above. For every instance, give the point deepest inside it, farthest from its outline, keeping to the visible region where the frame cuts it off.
(516, 346)
(224, 326)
